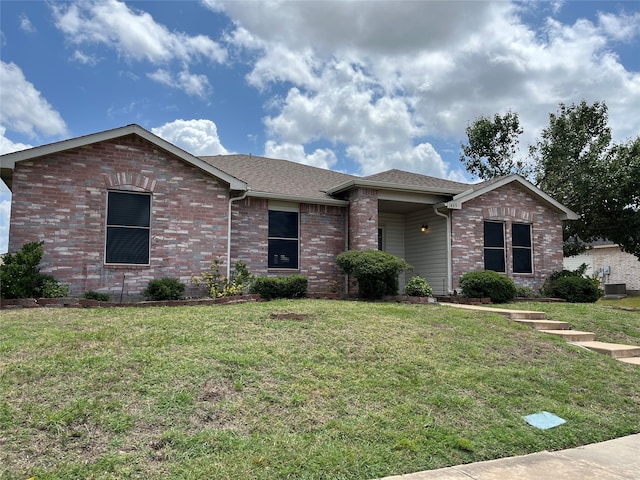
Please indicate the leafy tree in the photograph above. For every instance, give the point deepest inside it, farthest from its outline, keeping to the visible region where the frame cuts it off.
(577, 164)
(492, 147)
(618, 214)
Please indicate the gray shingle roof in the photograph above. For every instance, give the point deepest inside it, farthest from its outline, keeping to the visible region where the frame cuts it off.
(279, 177)
(291, 179)
(407, 178)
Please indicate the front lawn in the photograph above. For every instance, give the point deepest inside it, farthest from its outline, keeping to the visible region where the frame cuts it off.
(293, 389)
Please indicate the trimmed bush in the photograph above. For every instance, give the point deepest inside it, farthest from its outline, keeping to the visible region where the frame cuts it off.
(292, 286)
(549, 287)
(164, 289)
(376, 272)
(487, 283)
(49, 287)
(577, 289)
(20, 275)
(99, 296)
(525, 292)
(418, 287)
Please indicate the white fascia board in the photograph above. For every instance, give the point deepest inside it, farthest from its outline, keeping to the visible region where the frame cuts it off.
(9, 160)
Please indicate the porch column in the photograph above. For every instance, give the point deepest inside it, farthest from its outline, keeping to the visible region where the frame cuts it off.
(363, 219)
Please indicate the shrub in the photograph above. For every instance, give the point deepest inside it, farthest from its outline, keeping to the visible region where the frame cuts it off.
(164, 289)
(548, 288)
(577, 289)
(93, 295)
(20, 275)
(525, 292)
(376, 272)
(49, 287)
(418, 287)
(487, 283)
(292, 286)
(221, 286)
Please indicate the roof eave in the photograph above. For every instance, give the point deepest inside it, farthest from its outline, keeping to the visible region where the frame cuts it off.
(297, 198)
(398, 187)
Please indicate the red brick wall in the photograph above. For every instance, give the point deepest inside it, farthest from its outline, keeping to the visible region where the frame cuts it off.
(509, 204)
(321, 239)
(363, 219)
(61, 199)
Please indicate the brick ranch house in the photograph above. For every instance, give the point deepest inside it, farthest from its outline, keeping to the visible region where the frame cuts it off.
(121, 207)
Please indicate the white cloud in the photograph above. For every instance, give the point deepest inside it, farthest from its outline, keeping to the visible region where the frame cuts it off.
(620, 27)
(133, 33)
(7, 146)
(23, 108)
(26, 25)
(190, 83)
(198, 137)
(383, 93)
(136, 36)
(321, 157)
(367, 26)
(376, 157)
(85, 59)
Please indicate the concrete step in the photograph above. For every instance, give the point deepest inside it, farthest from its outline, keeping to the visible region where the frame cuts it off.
(631, 360)
(572, 335)
(513, 314)
(544, 324)
(612, 349)
(526, 315)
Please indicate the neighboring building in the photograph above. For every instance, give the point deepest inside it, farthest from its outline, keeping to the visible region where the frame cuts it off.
(121, 207)
(610, 264)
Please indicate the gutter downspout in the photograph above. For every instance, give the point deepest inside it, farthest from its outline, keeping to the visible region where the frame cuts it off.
(449, 283)
(346, 246)
(231, 200)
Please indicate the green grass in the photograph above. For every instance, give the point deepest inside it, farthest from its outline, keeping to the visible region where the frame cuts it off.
(340, 390)
(627, 302)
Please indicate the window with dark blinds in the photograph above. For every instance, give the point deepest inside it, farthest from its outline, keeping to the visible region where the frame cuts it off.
(494, 258)
(283, 239)
(521, 245)
(128, 228)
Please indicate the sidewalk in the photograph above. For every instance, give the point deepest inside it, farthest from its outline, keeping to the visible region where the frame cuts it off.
(611, 460)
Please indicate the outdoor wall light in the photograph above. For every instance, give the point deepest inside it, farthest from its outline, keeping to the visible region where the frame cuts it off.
(424, 228)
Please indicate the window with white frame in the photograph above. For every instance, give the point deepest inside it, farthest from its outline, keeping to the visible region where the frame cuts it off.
(521, 246)
(284, 240)
(128, 228)
(494, 254)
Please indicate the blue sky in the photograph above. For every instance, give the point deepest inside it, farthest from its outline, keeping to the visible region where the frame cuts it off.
(354, 86)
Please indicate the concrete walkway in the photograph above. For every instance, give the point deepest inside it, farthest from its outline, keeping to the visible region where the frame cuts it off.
(617, 459)
(537, 320)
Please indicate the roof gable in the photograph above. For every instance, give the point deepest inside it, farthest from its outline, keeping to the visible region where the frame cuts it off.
(478, 189)
(9, 160)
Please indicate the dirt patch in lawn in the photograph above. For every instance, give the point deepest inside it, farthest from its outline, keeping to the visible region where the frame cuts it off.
(289, 316)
